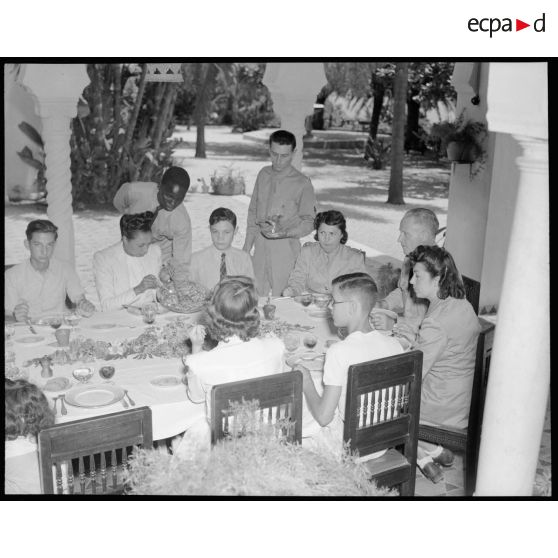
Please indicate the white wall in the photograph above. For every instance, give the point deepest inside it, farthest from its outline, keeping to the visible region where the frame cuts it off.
(18, 107)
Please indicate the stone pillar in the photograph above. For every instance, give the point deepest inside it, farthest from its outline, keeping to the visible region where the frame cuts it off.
(293, 87)
(56, 89)
(518, 384)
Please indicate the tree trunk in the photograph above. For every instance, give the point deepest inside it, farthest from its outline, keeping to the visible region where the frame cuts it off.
(412, 128)
(130, 130)
(202, 100)
(395, 194)
(379, 92)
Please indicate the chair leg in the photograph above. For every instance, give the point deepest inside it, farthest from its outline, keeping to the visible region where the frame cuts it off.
(470, 462)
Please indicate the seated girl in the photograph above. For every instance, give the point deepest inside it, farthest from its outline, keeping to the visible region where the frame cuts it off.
(447, 337)
(27, 412)
(126, 272)
(232, 320)
(320, 262)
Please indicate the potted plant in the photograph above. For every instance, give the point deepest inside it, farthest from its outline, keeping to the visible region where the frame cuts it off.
(462, 140)
(228, 182)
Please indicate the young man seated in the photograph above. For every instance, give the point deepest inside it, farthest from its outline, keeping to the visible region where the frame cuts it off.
(212, 264)
(353, 297)
(38, 286)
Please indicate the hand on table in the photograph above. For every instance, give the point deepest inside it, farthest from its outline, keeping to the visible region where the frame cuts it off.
(148, 282)
(21, 311)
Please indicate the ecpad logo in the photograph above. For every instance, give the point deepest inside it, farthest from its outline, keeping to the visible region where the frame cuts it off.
(494, 24)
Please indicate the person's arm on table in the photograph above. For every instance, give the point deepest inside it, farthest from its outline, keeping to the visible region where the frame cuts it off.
(298, 278)
(322, 408)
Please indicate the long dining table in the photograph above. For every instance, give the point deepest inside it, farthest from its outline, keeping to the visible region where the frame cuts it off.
(172, 411)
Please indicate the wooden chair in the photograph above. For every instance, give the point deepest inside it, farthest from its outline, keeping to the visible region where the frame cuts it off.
(99, 447)
(382, 411)
(279, 396)
(467, 440)
(472, 292)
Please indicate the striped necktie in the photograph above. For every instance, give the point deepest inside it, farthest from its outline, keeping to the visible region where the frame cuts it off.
(222, 268)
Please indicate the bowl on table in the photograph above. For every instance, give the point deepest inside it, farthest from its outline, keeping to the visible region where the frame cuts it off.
(304, 299)
(321, 300)
(83, 375)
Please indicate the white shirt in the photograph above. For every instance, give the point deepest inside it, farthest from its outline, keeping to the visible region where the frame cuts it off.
(22, 474)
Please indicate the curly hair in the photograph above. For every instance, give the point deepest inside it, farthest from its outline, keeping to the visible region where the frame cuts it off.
(27, 411)
(233, 310)
(333, 218)
(438, 262)
(135, 222)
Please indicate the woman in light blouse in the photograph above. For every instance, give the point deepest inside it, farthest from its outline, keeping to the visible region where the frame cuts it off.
(320, 262)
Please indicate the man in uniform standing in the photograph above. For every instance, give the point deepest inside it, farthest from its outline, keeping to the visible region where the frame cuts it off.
(281, 211)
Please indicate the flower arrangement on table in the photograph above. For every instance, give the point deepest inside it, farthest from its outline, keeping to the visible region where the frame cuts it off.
(280, 328)
(169, 341)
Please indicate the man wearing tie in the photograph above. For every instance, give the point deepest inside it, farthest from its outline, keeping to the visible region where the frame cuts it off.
(212, 264)
(171, 227)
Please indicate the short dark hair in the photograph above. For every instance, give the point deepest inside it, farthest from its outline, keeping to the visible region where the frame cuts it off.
(233, 309)
(426, 217)
(26, 409)
(282, 137)
(333, 218)
(134, 223)
(41, 226)
(222, 214)
(439, 263)
(176, 175)
(359, 284)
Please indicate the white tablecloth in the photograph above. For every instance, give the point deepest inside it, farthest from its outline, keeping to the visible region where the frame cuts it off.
(171, 410)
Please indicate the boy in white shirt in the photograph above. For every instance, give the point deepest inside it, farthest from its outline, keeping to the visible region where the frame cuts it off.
(212, 264)
(353, 297)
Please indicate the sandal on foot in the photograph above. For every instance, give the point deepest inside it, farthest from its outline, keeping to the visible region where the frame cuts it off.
(445, 458)
(432, 472)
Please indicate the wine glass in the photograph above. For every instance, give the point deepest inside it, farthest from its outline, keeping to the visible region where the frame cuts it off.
(292, 341)
(149, 311)
(107, 372)
(55, 322)
(72, 320)
(9, 331)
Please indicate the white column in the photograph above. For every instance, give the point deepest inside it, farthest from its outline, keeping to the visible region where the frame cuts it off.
(56, 89)
(293, 87)
(519, 377)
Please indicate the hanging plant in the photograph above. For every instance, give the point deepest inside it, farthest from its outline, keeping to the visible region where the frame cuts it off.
(463, 141)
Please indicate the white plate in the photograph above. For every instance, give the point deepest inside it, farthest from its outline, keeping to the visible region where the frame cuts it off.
(166, 381)
(30, 340)
(102, 326)
(91, 397)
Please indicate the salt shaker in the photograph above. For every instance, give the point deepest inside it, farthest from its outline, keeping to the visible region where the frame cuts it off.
(46, 372)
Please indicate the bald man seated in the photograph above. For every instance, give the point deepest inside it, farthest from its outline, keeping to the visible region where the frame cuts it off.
(171, 228)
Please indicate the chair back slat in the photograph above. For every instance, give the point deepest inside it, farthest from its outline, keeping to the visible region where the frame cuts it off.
(279, 396)
(80, 447)
(382, 407)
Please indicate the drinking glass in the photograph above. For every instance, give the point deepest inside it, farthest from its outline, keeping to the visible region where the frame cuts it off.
(310, 340)
(55, 322)
(73, 321)
(106, 372)
(292, 341)
(9, 331)
(149, 311)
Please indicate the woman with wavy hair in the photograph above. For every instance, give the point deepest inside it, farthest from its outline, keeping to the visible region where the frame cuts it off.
(126, 272)
(26, 413)
(232, 320)
(320, 262)
(447, 337)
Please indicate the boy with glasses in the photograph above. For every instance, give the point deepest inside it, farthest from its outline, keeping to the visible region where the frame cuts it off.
(353, 297)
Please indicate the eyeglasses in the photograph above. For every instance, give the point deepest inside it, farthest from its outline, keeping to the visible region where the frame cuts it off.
(334, 302)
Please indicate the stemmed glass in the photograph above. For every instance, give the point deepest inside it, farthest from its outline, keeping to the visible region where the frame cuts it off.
(9, 331)
(72, 320)
(292, 341)
(149, 310)
(55, 322)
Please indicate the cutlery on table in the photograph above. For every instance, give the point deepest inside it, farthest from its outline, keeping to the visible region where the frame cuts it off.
(126, 394)
(124, 403)
(62, 406)
(28, 322)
